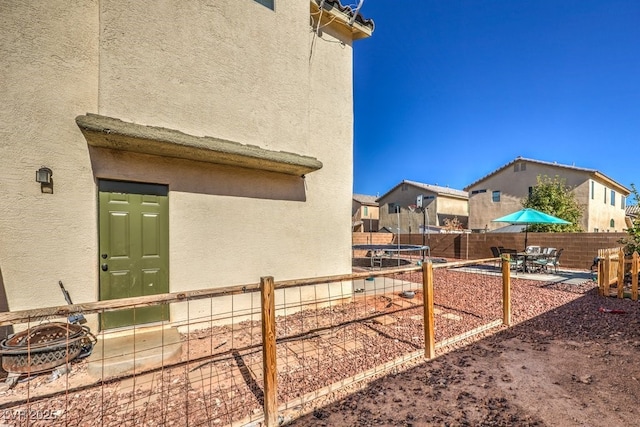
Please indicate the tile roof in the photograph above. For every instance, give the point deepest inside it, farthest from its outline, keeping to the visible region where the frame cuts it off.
(365, 199)
(512, 228)
(432, 188)
(632, 210)
(541, 162)
(347, 10)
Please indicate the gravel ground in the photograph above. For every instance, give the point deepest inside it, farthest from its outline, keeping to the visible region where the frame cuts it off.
(485, 380)
(570, 359)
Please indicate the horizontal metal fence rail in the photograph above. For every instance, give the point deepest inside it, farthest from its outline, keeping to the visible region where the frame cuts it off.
(247, 365)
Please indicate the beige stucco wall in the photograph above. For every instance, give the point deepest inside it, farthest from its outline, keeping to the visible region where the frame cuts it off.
(49, 75)
(228, 69)
(514, 188)
(404, 199)
(452, 206)
(441, 204)
(600, 211)
(364, 217)
(364, 212)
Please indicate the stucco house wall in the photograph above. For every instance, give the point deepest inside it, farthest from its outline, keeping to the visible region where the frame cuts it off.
(601, 211)
(365, 213)
(441, 202)
(228, 69)
(50, 56)
(512, 182)
(453, 207)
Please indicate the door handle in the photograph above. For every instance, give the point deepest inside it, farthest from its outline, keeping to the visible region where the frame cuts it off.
(105, 267)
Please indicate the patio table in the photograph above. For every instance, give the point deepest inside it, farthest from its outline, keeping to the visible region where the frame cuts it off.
(528, 257)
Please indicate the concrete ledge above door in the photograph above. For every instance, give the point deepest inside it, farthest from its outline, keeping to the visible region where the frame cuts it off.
(108, 132)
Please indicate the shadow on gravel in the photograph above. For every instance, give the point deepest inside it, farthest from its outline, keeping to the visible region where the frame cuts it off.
(468, 386)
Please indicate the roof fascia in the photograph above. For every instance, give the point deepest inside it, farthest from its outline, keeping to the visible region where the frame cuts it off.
(439, 193)
(592, 172)
(338, 19)
(621, 188)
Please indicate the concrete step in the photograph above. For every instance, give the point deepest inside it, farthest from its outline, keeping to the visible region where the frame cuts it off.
(124, 353)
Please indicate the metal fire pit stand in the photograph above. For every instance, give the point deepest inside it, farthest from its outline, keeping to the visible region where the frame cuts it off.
(45, 347)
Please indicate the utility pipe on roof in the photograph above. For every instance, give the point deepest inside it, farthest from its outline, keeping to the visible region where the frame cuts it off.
(355, 12)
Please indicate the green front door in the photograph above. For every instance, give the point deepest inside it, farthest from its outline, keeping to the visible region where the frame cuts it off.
(134, 249)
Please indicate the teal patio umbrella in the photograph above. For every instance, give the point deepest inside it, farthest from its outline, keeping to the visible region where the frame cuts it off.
(528, 216)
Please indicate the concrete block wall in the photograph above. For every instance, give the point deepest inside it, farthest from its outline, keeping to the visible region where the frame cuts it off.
(373, 238)
(579, 248)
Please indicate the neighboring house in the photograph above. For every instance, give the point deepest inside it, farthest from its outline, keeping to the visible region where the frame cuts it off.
(503, 190)
(443, 204)
(191, 145)
(364, 213)
(631, 214)
(511, 228)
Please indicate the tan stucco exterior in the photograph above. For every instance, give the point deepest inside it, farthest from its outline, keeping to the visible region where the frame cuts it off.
(441, 203)
(513, 184)
(365, 213)
(230, 70)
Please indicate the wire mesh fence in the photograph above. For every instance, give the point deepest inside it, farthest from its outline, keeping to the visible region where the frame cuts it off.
(211, 365)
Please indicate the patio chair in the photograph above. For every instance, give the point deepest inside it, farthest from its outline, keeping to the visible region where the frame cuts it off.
(515, 262)
(552, 259)
(555, 261)
(377, 257)
(495, 251)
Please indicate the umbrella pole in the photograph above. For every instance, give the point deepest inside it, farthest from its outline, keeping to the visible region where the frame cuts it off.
(526, 230)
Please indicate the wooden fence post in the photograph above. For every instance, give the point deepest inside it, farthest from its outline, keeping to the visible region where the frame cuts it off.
(427, 292)
(621, 268)
(600, 276)
(607, 275)
(506, 292)
(269, 370)
(635, 259)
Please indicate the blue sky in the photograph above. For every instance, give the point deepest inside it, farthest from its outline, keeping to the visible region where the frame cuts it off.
(447, 91)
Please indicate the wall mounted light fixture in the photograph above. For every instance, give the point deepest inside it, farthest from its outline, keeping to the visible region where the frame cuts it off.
(43, 176)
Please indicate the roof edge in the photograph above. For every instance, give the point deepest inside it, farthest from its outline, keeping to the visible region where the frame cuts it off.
(433, 188)
(360, 27)
(593, 172)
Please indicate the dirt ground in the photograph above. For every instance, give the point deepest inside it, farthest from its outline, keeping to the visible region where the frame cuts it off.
(570, 358)
(575, 363)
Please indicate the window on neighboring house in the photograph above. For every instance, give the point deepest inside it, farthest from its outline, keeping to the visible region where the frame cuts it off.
(478, 191)
(530, 191)
(516, 167)
(605, 194)
(405, 187)
(623, 202)
(613, 198)
(394, 208)
(523, 166)
(612, 223)
(429, 197)
(366, 211)
(495, 196)
(267, 3)
(593, 190)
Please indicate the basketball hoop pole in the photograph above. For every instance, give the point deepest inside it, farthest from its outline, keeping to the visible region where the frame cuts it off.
(424, 230)
(413, 208)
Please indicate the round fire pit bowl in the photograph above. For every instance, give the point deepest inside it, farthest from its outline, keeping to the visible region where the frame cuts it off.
(42, 348)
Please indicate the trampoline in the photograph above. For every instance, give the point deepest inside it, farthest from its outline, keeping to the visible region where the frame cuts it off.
(378, 252)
